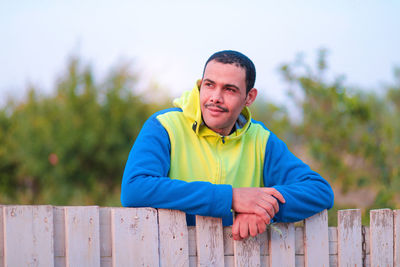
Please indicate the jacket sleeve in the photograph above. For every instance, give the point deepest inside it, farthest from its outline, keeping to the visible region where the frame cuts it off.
(145, 181)
(305, 191)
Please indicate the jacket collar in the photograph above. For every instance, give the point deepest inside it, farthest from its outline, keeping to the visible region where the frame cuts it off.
(189, 102)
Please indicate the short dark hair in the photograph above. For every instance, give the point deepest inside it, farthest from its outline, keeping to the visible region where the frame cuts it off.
(240, 60)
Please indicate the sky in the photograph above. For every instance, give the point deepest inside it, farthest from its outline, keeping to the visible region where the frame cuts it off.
(168, 42)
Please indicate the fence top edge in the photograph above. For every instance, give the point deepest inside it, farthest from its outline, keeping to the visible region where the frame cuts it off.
(23, 205)
(349, 210)
(380, 210)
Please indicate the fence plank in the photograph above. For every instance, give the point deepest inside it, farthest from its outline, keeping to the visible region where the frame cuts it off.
(381, 237)
(247, 252)
(82, 236)
(316, 240)
(228, 242)
(366, 250)
(28, 236)
(264, 250)
(299, 246)
(333, 246)
(105, 237)
(349, 238)
(134, 237)
(299, 240)
(59, 236)
(209, 239)
(1, 237)
(192, 241)
(282, 245)
(396, 238)
(173, 235)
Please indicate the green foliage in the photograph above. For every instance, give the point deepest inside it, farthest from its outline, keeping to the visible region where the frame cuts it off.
(70, 148)
(353, 135)
(274, 117)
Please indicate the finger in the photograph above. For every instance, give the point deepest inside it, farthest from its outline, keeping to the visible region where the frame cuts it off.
(273, 201)
(268, 207)
(244, 230)
(273, 192)
(253, 228)
(262, 213)
(235, 230)
(261, 227)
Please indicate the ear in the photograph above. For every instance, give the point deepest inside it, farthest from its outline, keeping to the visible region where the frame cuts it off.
(199, 81)
(251, 96)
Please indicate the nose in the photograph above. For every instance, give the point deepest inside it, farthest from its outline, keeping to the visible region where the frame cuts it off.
(216, 96)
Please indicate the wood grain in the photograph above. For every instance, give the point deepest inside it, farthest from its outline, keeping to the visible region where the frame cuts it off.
(173, 235)
(349, 238)
(209, 239)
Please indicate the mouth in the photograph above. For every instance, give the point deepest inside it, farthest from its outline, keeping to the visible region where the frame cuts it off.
(215, 108)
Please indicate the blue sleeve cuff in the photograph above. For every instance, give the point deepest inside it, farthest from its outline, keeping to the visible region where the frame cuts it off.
(222, 202)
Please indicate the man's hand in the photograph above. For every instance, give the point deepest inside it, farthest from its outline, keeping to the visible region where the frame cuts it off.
(260, 201)
(246, 224)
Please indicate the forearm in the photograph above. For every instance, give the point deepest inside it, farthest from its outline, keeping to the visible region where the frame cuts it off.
(201, 198)
(303, 200)
(304, 190)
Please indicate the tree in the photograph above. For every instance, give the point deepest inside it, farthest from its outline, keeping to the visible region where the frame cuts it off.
(71, 147)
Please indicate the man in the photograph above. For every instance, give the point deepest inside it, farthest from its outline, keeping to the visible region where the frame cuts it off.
(207, 156)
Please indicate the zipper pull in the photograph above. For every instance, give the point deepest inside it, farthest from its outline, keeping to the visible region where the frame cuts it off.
(223, 139)
(194, 126)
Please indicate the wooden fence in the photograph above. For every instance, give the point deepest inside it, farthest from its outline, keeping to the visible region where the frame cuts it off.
(96, 236)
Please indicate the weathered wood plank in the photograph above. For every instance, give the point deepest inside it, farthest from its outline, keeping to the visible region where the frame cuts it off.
(106, 262)
(28, 236)
(316, 240)
(228, 241)
(105, 237)
(82, 236)
(299, 241)
(59, 236)
(367, 261)
(333, 243)
(192, 241)
(349, 238)
(333, 260)
(299, 246)
(247, 252)
(1, 237)
(396, 237)
(192, 261)
(366, 254)
(229, 261)
(366, 243)
(282, 245)
(263, 240)
(299, 261)
(134, 237)
(209, 238)
(265, 261)
(381, 237)
(173, 236)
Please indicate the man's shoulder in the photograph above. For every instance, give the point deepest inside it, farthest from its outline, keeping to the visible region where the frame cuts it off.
(168, 111)
(155, 119)
(167, 118)
(260, 125)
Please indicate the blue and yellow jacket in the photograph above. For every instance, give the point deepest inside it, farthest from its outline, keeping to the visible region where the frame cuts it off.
(179, 163)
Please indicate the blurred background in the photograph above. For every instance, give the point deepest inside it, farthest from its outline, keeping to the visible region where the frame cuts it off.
(79, 78)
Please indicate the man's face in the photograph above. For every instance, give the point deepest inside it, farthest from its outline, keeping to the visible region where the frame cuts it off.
(223, 96)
